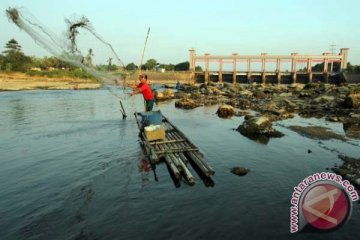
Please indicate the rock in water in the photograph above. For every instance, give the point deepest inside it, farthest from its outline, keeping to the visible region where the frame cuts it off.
(165, 95)
(353, 100)
(186, 103)
(351, 127)
(241, 171)
(357, 181)
(168, 93)
(225, 111)
(257, 128)
(159, 96)
(259, 94)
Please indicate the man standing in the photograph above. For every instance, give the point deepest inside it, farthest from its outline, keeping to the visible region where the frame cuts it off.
(145, 89)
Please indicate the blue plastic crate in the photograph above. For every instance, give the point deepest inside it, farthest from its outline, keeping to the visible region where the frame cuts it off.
(151, 118)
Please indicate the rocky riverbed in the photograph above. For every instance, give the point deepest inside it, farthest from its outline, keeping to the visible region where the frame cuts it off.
(335, 103)
(262, 105)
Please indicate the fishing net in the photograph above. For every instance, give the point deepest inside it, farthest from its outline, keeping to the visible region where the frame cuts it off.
(66, 48)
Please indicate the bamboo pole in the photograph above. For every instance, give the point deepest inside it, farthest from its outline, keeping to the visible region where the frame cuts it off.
(172, 167)
(197, 154)
(189, 177)
(183, 158)
(142, 55)
(198, 163)
(175, 161)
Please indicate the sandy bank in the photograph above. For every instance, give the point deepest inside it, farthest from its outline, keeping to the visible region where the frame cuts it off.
(22, 81)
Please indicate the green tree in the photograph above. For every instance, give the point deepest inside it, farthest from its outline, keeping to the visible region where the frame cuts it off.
(170, 67)
(131, 67)
(12, 46)
(35, 62)
(350, 67)
(318, 67)
(14, 57)
(167, 67)
(150, 64)
(183, 66)
(198, 69)
(1, 62)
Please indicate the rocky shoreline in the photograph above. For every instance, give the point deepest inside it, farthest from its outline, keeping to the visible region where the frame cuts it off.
(261, 105)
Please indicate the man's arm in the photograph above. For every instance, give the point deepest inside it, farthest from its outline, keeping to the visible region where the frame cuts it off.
(136, 90)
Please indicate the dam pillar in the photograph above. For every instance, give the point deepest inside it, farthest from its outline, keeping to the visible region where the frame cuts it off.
(293, 67)
(344, 58)
(192, 63)
(207, 60)
(220, 70)
(326, 68)
(248, 75)
(234, 67)
(263, 68)
(309, 69)
(278, 70)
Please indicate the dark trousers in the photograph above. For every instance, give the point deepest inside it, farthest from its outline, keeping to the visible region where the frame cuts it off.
(149, 104)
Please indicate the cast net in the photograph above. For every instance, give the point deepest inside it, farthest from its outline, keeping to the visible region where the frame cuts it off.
(66, 48)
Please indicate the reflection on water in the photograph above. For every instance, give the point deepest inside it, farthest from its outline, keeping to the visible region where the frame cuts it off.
(72, 168)
(18, 111)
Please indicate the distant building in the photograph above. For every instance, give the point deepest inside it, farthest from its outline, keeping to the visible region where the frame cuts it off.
(160, 70)
(36, 69)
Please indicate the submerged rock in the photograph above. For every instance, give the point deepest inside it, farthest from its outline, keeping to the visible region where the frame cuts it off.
(241, 171)
(352, 128)
(241, 113)
(350, 169)
(357, 181)
(316, 132)
(225, 111)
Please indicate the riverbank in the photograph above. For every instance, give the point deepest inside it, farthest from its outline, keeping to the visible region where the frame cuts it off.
(16, 81)
(21, 81)
(170, 78)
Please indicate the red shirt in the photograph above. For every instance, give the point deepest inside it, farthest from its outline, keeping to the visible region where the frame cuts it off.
(146, 91)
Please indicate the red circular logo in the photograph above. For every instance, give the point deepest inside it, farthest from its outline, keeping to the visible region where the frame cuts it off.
(325, 206)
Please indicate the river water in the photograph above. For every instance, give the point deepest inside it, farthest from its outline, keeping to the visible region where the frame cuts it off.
(71, 169)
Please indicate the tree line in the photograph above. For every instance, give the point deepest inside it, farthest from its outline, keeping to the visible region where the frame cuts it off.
(335, 67)
(14, 59)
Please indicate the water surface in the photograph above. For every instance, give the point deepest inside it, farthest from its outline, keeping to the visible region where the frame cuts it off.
(71, 169)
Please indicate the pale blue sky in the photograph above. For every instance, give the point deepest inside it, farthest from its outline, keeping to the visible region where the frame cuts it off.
(216, 27)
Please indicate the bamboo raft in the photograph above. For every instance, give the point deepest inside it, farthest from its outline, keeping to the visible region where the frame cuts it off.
(176, 150)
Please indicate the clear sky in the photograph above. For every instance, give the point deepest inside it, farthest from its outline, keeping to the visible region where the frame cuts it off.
(216, 27)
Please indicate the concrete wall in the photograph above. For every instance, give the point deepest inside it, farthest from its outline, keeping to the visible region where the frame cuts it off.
(352, 77)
